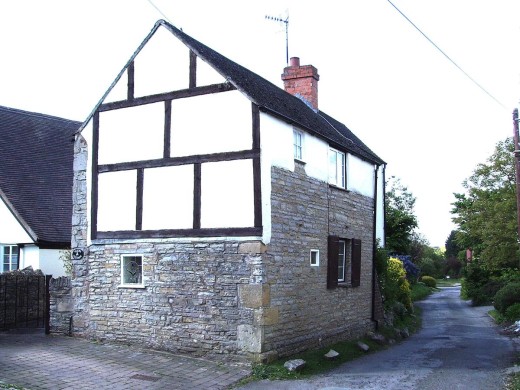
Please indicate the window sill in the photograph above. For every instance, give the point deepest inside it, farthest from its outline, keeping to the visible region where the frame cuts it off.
(137, 286)
(338, 188)
(344, 285)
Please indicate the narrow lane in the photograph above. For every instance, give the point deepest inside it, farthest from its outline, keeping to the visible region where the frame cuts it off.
(459, 347)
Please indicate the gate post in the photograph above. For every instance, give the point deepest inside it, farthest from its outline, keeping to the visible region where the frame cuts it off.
(47, 304)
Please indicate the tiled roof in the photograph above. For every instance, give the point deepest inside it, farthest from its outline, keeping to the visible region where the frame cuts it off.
(36, 171)
(276, 101)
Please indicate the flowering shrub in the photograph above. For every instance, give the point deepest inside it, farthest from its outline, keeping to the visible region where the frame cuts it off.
(397, 287)
(412, 271)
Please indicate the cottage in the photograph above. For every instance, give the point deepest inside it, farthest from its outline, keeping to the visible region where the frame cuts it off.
(217, 214)
(36, 154)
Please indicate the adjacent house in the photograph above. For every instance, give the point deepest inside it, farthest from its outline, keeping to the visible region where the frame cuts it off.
(36, 155)
(218, 214)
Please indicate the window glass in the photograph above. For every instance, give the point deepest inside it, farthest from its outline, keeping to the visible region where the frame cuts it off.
(315, 257)
(341, 261)
(131, 270)
(9, 257)
(298, 144)
(337, 168)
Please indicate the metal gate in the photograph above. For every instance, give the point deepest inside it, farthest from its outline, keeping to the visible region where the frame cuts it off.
(24, 301)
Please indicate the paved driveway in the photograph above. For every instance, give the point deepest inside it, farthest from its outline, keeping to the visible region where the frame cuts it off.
(36, 361)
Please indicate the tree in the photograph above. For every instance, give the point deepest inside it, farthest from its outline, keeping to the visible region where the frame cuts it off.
(486, 213)
(400, 218)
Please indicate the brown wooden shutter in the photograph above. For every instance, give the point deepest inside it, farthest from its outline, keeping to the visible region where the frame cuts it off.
(332, 263)
(356, 263)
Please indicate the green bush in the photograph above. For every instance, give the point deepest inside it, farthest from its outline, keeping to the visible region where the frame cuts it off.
(513, 312)
(507, 296)
(429, 281)
(397, 287)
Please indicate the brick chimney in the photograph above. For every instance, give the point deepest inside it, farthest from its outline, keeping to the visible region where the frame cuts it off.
(302, 81)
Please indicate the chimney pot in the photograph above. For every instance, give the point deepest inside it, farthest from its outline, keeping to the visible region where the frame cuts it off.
(302, 81)
(295, 61)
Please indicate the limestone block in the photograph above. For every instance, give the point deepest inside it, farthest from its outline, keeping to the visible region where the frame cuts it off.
(294, 365)
(266, 316)
(249, 338)
(252, 247)
(254, 295)
(65, 305)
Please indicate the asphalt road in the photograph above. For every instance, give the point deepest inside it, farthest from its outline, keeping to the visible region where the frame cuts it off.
(459, 347)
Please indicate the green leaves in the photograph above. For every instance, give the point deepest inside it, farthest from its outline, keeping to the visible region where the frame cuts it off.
(486, 213)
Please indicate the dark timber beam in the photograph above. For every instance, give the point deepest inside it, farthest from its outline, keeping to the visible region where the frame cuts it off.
(175, 161)
(180, 94)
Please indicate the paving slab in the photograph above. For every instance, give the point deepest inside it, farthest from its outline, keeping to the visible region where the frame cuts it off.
(36, 361)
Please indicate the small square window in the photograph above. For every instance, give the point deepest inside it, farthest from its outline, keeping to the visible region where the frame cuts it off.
(132, 271)
(298, 144)
(315, 257)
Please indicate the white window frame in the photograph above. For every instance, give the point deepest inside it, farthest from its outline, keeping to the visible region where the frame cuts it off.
(12, 262)
(337, 168)
(316, 253)
(298, 144)
(125, 283)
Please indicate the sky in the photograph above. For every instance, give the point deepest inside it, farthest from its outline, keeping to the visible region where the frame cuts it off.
(378, 74)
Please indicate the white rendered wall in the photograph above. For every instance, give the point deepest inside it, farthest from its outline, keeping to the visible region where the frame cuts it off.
(206, 124)
(360, 176)
(11, 231)
(380, 220)
(30, 256)
(50, 262)
(277, 147)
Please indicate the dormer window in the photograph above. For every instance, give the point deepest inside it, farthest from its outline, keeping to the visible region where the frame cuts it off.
(298, 144)
(337, 168)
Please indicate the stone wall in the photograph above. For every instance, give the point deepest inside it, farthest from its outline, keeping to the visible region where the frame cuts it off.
(305, 212)
(190, 301)
(61, 305)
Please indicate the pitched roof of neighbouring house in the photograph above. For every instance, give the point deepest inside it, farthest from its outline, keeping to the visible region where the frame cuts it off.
(268, 97)
(36, 172)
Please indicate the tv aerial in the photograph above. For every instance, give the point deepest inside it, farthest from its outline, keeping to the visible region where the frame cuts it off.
(286, 22)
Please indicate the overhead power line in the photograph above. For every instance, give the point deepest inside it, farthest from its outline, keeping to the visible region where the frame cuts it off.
(448, 57)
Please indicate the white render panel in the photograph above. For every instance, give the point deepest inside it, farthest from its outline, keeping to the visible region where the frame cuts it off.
(11, 231)
(131, 134)
(168, 198)
(227, 194)
(315, 155)
(162, 65)
(206, 75)
(360, 176)
(219, 122)
(277, 142)
(117, 200)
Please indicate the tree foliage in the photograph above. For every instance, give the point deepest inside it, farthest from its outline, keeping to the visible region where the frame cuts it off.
(400, 217)
(486, 212)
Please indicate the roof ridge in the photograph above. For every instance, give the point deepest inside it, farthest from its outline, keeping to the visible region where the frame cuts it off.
(37, 114)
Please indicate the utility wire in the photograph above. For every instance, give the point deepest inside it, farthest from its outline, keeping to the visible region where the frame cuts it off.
(448, 57)
(158, 10)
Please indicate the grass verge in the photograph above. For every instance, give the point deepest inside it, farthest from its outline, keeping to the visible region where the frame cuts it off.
(447, 282)
(420, 291)
(316, 363)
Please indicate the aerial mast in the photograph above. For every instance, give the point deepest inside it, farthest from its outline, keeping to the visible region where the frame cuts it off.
(286, 22)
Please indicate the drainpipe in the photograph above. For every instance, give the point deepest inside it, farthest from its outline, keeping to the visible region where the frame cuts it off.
(374, 246)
